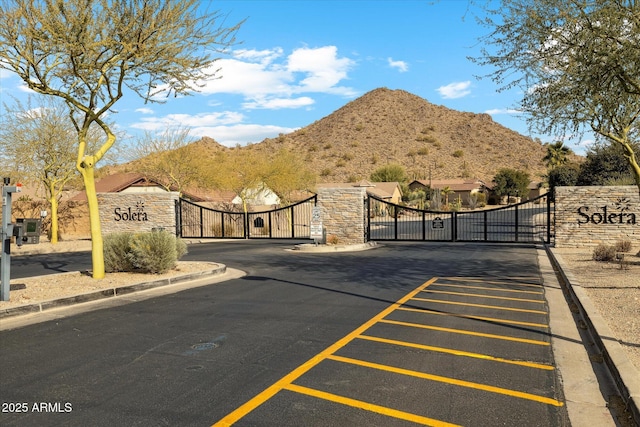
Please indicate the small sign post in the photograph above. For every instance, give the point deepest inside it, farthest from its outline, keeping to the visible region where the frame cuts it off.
(316, 231)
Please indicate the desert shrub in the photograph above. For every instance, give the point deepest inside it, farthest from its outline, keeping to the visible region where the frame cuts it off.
(458, 153)
(155, 252)
(116, 247)
(604, 253)
(326, 172)
(423, 151)
(623, 246)
(181, 248)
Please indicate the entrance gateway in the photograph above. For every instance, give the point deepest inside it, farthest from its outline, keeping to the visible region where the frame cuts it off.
(527, 222)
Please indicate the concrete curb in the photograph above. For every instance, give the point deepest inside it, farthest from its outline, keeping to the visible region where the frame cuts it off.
(109, 292)
(623, 372)
(312, 247)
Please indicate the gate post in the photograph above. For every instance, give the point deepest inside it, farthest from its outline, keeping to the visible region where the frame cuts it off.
(454, 226)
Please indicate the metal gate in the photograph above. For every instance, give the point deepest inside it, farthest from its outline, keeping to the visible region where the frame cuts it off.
(526, 222)
(289, 222)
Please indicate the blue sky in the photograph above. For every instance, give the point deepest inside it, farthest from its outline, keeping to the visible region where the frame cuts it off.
(299, 61)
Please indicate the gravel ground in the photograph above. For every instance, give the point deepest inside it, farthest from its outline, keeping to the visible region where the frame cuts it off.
(615, 290)
(45, 288)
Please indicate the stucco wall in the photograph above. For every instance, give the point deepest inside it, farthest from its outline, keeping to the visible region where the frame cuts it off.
(134, 212)
(343, 213)
(589, 216)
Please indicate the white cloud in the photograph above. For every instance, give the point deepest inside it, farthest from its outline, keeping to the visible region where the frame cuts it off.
(267, 78)
(496, 111)
(400, 65)
(455, 90)
(240, 133)
(144, 110)
(278, 103)
(188, 120)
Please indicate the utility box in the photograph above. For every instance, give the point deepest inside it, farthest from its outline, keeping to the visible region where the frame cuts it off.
(31, 230)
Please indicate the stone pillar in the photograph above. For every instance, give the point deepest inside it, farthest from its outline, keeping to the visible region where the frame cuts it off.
(343, 213)
(593, 215)
(137, 212)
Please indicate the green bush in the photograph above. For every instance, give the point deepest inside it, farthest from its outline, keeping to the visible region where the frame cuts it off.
(155, 252)
(116, 247)
(604, 253)
(623, 246)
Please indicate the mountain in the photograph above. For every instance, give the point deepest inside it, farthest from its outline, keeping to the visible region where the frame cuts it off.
(394, 126)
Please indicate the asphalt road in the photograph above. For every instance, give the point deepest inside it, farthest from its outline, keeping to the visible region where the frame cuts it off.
(400, 335)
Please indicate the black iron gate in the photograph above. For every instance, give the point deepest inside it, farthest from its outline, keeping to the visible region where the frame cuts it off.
(526, 222)
(289, 222)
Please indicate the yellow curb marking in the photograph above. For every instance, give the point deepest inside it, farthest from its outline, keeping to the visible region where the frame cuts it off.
(466, 316)
(536, 301)
(464, 332)
(368, 406)
(270, 391)
(458, 352)
(494, 307)
(447, 380)
(487, 288)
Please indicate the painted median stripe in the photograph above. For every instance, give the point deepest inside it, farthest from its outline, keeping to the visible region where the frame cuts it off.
(447, 380)
(488, 288)
(288, 379)
(368, 406)
(458, 352)
(464, 332)
(509, 282)
(493, 307)
(465, 294)
(468, 316)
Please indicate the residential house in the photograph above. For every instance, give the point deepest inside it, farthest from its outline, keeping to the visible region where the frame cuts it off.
(461, 188)
(388, 191)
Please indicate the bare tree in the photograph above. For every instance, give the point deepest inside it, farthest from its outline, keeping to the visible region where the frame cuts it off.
(89, 52)
(39, 146)
(171, 159)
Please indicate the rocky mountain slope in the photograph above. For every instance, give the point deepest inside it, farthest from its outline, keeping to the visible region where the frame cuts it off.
(394, 126)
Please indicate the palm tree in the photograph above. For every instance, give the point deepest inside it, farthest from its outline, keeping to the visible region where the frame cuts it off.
(557, 155)
(445, 192)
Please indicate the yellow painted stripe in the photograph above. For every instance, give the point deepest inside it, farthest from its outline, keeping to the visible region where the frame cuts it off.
(464, 332)
(368, 406)
(494, 307)
(465, 316)
(447, 380)
(466, 294)
(509, 281)
(488, 288)
(458, 352)
(270, 391)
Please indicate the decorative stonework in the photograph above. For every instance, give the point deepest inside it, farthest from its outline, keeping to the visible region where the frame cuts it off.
(589, 216)
(343, 213)
(135, 212)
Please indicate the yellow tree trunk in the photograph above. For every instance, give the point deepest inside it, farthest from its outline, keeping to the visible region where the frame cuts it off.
(54, 219)
(97, 249)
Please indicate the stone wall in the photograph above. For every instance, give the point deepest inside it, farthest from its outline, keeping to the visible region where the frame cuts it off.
(134, 212)
(343, 214)
(589, 216)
